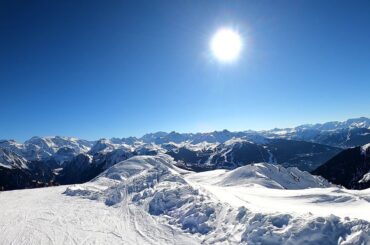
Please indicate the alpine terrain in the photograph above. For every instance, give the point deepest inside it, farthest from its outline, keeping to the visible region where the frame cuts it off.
(304, 185)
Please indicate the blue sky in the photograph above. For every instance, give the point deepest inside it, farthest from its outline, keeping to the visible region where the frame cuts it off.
(95, 69)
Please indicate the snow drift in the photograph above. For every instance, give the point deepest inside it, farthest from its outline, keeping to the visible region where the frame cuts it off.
(266, 175)
(182, 200)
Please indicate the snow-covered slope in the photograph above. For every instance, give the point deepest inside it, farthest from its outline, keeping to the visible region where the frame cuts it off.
(146, 200)
(106, 145)
(52, 144)
(349, 133)
(16, 172)
(269, 189)
(42, 148)
(9, 159)
(47, 217)
(239, 152)
(263, 174)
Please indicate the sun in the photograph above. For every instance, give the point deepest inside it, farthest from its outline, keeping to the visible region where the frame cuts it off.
(226, 45)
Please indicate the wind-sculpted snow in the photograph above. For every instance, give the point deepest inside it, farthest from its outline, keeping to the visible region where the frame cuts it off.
(271, 176)
(154, 184)
(284, 229)
(207, 206)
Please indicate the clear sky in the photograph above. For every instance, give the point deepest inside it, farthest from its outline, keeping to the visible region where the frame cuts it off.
(95, 69)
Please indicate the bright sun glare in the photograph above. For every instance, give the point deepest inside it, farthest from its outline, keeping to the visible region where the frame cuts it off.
(226, 45)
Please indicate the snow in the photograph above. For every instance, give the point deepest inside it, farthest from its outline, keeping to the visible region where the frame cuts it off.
(201, 146)
(143, 148)
(234, 141)
(105, 145)
(267, 175)
(11, 160)
(41, 148)
(46, 216)
(365, 148)
(314, 201)
(365, 178)
(147, 200)
(52, 144)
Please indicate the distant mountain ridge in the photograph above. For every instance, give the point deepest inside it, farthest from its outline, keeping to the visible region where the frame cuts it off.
(68, 160)
(350, 133)
(42, 148)
(305, 132)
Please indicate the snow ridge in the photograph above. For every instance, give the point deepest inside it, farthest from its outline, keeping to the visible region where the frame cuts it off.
(155, 185)
(272, 176)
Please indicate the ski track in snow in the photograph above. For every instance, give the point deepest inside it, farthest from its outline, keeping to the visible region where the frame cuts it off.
(46, 216)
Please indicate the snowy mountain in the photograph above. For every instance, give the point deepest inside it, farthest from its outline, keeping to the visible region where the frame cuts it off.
(70, 160)
(350, 133)
(349, 168)
(84, 167)
(353, 132)
(196, 138)
(106, 145)
(68, 165)
(16, 172)
(239, 152)
(43, 148)
(147, 200)
(361, 122)
(11, 160)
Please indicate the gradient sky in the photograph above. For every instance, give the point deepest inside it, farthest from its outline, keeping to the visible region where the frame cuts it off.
(95, 69)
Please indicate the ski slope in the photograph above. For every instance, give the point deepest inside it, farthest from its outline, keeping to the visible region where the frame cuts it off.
(47, 216)
(146, 200)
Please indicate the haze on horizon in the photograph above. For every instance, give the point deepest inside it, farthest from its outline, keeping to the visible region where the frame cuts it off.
(122, 68)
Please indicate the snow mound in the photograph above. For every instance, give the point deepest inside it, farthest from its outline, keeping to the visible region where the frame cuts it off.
(272, 176)
(153, 184)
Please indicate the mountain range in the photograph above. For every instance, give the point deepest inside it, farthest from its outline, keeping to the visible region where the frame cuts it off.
(45, 161)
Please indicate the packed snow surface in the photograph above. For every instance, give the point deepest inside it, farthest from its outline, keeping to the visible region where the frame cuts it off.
(147, 200)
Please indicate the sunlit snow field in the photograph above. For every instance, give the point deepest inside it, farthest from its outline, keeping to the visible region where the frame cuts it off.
(317, 201)
(146, 200)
